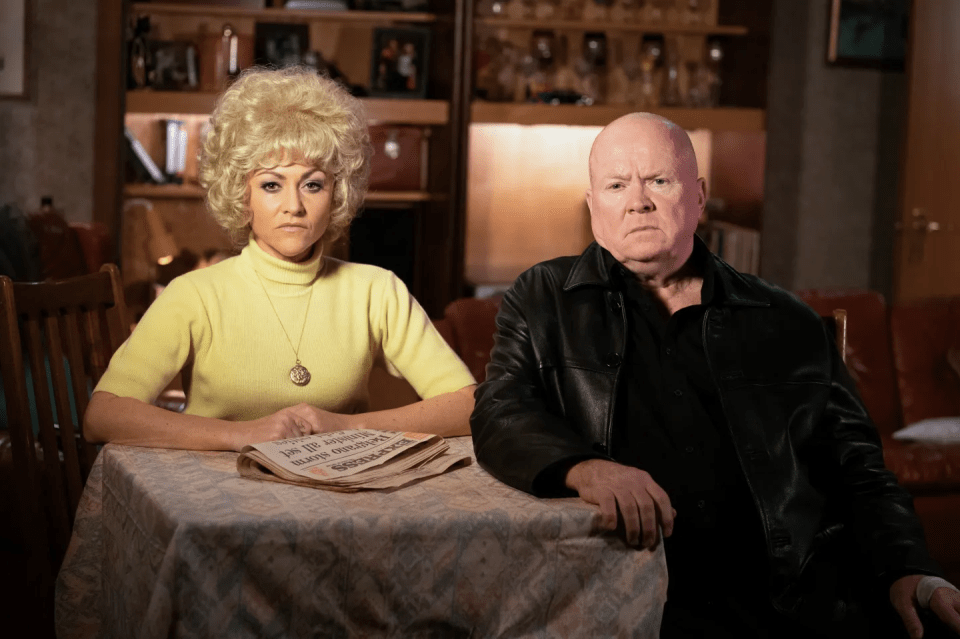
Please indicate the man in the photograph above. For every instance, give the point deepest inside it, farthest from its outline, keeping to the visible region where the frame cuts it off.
(650, 378)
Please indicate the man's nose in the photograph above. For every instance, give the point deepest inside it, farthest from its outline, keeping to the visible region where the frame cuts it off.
(638, 199)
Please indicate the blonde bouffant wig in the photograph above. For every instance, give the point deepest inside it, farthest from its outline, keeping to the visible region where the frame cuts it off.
(279, 116)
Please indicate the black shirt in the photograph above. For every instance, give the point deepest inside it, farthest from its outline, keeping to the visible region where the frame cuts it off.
(670, 422)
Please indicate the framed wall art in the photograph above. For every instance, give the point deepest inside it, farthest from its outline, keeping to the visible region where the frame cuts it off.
(13, 49)
(868, 33)
(399, 63)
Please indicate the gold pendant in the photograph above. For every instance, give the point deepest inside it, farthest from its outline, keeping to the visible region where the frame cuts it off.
(299, 375)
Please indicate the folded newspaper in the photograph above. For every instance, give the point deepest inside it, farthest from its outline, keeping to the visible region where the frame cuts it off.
(350, 460)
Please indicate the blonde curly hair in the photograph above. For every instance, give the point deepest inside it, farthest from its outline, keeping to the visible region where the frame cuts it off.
(272, 116)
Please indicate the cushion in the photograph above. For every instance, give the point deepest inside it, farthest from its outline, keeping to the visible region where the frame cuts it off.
(935, 429)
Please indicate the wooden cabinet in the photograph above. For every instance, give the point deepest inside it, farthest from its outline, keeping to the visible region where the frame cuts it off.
(425, 215)
(525, 182)
(434, 217)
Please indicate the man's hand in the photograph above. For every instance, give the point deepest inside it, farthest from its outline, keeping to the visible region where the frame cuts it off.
(295, 421)
(643, 505)
(944, 602)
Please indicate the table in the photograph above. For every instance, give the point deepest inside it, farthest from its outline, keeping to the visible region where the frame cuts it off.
(176, 544)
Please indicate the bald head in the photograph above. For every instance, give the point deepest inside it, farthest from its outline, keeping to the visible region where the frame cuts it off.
(645, 196)
(645, 129)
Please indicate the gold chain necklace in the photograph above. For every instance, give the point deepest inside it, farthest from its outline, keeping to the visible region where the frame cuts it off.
(299, 374)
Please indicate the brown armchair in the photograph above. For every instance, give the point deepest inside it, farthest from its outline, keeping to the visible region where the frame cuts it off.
(900, 357)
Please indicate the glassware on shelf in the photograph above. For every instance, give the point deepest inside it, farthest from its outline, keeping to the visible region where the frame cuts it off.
(572, 9)
(542, 48)
(699, 80)
(671, 94)
(590, 66)
(546, 9)
(713, 59)
(597, 10)
(647, 92)
(492, 8)
(626, 11)
(695, 11)
(521, 9)
(659, 10)
(565, 77)
(618, 78)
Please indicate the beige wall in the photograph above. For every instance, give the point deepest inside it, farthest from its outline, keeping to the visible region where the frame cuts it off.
(833, 146)
(46, 140)
(525, 196)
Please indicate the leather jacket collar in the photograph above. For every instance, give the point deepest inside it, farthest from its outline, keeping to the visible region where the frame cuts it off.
(589, 269)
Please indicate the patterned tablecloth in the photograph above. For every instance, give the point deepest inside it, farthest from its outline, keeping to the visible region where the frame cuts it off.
(176, 544)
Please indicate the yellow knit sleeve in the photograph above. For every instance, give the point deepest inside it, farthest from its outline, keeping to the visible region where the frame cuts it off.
(411, 344)
(174, 328)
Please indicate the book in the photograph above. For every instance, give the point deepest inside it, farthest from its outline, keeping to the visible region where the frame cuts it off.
(350, 460)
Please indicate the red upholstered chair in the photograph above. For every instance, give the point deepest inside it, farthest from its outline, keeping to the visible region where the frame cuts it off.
(472, 327)
(900, 359)
(868, 354)
(926, 350)
(926, 354)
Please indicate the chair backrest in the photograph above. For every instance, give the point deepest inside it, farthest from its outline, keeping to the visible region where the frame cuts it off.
(869, 356)
(926, 346)
(836, 323)
(56, 339)
(472, 324)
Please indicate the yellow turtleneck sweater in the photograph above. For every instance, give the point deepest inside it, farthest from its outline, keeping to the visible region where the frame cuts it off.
(217, 325)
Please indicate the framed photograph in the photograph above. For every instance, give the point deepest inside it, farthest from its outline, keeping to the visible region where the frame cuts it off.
(868, 33)
(13, 49)
(279, 44)
(399, 63)
(174, 65)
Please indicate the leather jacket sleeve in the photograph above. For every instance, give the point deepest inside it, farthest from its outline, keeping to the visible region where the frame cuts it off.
(516, 438)
(847, 454)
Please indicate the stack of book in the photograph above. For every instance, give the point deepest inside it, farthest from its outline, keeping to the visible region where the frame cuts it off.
(738, 246)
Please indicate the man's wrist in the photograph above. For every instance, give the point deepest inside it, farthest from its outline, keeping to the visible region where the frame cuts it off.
(926, 587)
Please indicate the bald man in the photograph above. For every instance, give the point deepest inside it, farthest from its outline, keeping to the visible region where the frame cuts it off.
(650, 378)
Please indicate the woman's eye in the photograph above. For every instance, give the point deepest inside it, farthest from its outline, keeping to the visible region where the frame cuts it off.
(314, 186)
(270, 187)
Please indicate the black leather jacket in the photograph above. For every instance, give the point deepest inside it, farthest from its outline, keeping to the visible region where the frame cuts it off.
(810, 454)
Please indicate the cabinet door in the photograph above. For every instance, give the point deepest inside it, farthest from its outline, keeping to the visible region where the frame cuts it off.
(927, 262)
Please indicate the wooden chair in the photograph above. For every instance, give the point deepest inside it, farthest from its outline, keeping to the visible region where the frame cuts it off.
(56, 339)
(837, 323)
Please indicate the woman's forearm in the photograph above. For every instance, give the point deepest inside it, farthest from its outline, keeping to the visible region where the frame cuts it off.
(447, 415)
(124, 420)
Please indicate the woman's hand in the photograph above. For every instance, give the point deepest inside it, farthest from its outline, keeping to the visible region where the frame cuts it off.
(294, 421)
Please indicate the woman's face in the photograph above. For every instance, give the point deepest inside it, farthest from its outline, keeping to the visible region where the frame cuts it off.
(290, 207)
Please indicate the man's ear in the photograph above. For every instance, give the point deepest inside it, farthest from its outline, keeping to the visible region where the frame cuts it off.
(702, 195)
(588, 195)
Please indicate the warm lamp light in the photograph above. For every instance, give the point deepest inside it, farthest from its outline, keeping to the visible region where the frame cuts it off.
(159, 243)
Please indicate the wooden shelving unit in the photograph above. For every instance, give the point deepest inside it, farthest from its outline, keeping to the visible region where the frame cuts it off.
(446, 115)
(194, 192)
(615, 27)
(720, 119)
(372, 18)
(379, 110)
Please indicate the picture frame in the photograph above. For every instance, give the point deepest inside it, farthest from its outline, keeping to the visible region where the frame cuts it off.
(399, 62)
(280, 44)
(868, 33)
(13, 49)
(173, 65)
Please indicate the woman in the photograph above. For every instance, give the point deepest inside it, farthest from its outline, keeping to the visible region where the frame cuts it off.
(279, 341)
